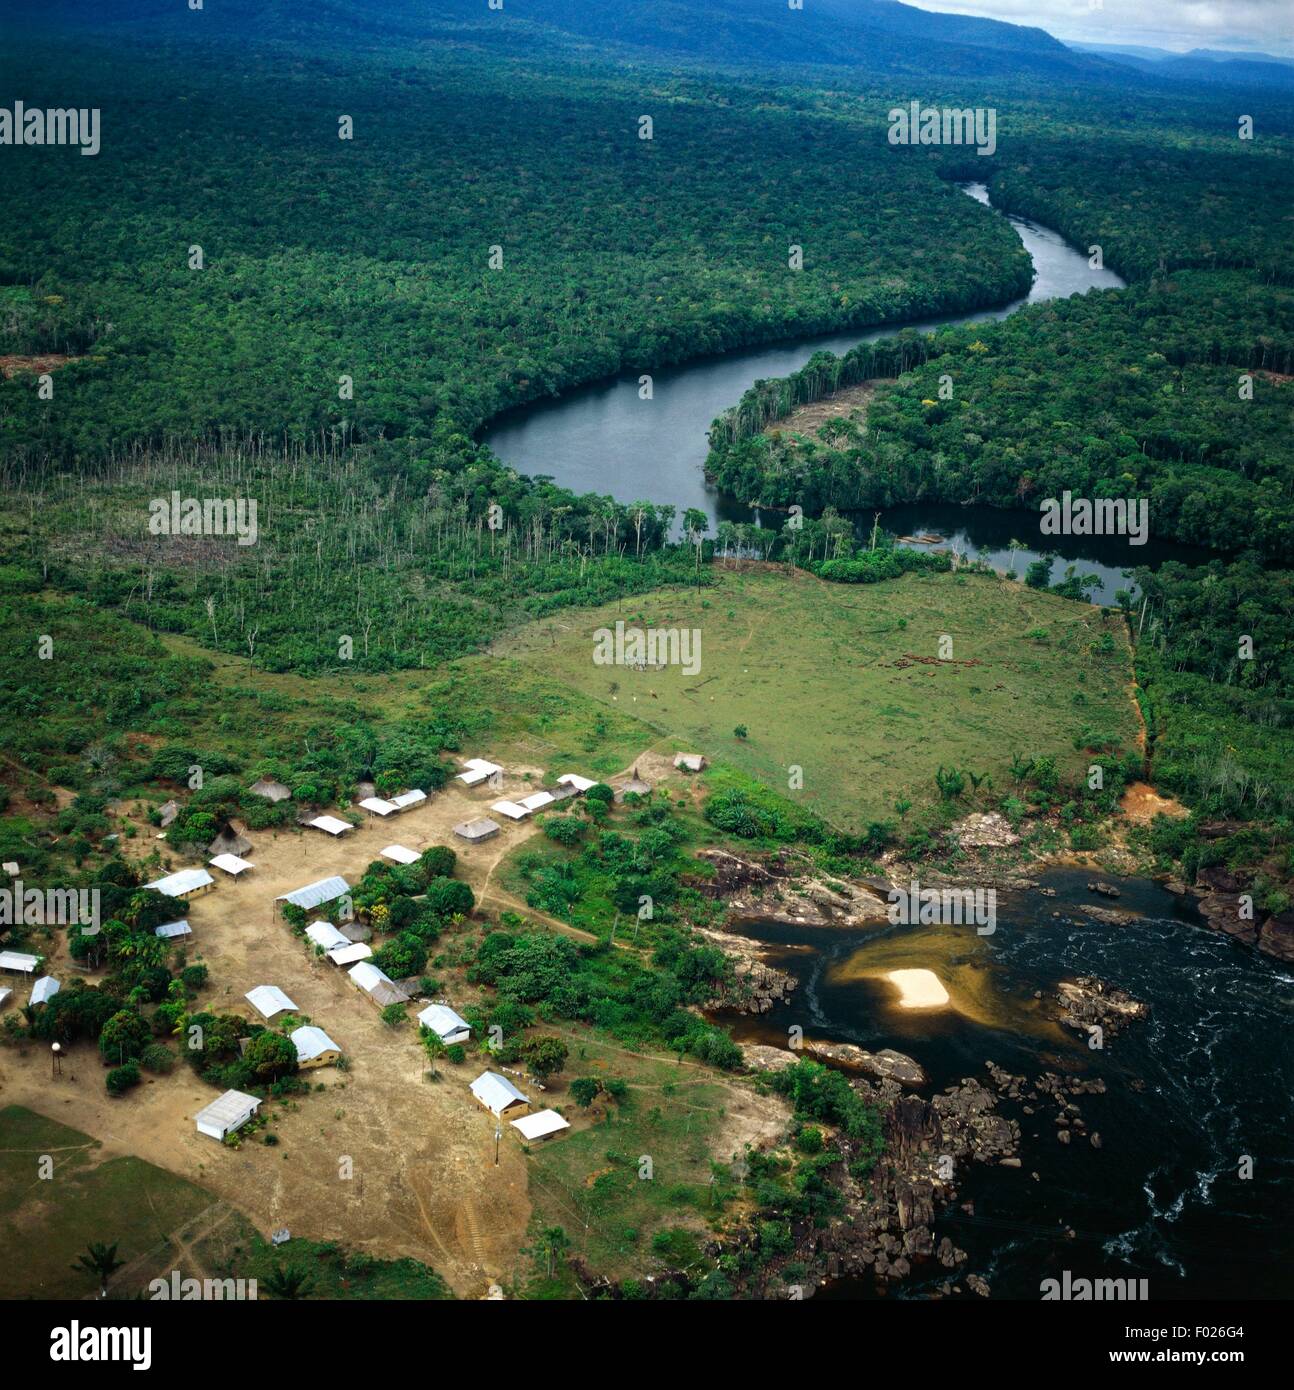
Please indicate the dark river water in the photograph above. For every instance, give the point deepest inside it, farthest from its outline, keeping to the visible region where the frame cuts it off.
(604, 439)
(1162, 1199)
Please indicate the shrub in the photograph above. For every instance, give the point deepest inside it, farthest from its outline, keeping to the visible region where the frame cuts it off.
(120, 1079)
(194, 976)
(157, 1058)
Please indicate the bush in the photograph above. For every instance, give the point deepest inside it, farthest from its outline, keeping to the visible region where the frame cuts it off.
(456, 1053)
(446, 897)
(194, 976)
(157, 1058)
(120, 1079)
(270, 1055)
(125, 1035)
(438, 861)
(585, 1090)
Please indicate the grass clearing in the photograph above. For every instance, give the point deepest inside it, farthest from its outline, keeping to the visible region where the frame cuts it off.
(822, 678)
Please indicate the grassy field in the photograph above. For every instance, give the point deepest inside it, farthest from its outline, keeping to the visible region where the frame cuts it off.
(821, 676)
(680, 1117)
(158, 1221)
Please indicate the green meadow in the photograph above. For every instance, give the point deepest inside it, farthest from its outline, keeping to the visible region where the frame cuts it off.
(847, 684)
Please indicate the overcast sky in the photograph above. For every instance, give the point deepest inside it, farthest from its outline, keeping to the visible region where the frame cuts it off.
(1267, 25)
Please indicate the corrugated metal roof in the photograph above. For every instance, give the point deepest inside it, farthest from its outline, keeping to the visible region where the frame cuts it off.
(322, 890)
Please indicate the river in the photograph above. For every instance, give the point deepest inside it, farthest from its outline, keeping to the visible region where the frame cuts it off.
(603, 438)
(1192, 1090)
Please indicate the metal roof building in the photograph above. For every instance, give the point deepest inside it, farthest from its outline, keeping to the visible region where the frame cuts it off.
(270, 1000)
(445, 1023)
(497, 1093)
(314, 1047)
(170, 930)
(226, 1113)
(542, 1125)
(186, 883)
(44, 989)
(322, 890)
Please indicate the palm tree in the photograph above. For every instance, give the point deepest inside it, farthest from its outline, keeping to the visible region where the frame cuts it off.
(551, 1243)
(288, 1284)
(100, 1260)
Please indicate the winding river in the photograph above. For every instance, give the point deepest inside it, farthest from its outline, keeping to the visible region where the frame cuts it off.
(602, 438)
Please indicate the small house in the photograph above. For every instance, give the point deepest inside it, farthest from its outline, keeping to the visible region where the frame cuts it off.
(330, 825)
(19, 961)
(578, 783)
(350, 953)
(171, 931)
(231, 864)
(407, 800)
(314, 1048)
(542, 1125)
(326, 935)
(269, 1000)
(379, 986)
(499, 1096)
(445, 1023)
(226, 1114)
(512, 809)
(313, 895)
(690, 762)
(478, 771)
(186, 884)
(536, 801)
(44, 989)
(398, 854)
(271, 791)
(475, 831)
(378, 806)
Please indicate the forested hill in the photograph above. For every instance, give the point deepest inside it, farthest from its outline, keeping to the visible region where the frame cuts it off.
(875, 35)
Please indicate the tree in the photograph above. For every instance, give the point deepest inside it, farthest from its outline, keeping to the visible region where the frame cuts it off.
(101, 1261)
(438, 861)
(287, 1284)
(124, 1036)
(585, 1090)
(449, 897)
(552, 1242)
(270, 1056)
(545, 1056)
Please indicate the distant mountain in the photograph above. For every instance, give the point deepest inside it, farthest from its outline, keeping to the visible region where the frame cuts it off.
(1237, 68)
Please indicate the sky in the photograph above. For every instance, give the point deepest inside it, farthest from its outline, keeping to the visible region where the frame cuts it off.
(1265, 25)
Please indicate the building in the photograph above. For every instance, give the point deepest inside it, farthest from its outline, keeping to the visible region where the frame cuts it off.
(226, 1114)
(270, 1000)
(499, 1096)
(478, 771)
(323, 890)
(376, 806)
(349, 954)
(19, 961)
(512, 809)
(536, 801)
(167, 812)
(330, 825)
(445, 1023)
(398, 854)
(314, 1048)
(474, 831)
(44, 990)
(379, 987)
(170, 931)
(231, 864)
(187, 884)
(541, 1125)
(326, 935)
(573, 779)
(690, 762)
(407, 800)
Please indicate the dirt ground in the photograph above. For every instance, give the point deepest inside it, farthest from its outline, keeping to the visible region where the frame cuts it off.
(425, 1184)
(1141, 803)
(849, 404)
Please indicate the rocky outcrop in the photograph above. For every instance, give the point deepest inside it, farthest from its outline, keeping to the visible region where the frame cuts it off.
(984, 830)
(755, 985)
(761, 1057)
(779, 888)
(885, 1065)
(1088, 1002)
(1276, 936)
(1106, 889)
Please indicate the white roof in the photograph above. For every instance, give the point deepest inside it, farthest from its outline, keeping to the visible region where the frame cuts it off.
(229, 1109)
(312, 1042)
(540, 1126)
(378, 806)
(4, 994)
(367, 976)
(350, 953)
(496, 1092)
(409, 798)
(442, 1020)
(481, 828)
(270, 1000)
(478, 771)
(400, 855)
(326, 935)
(230, 863)
(537, 799)
(331, 825)
(18, 960)
(11, 867)
(173, 929)
(44, 988)
(185, 881)
(511, 810)
(322, 890)
(573, 779)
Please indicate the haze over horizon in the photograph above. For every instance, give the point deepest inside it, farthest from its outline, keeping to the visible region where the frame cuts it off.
(1243, 25)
